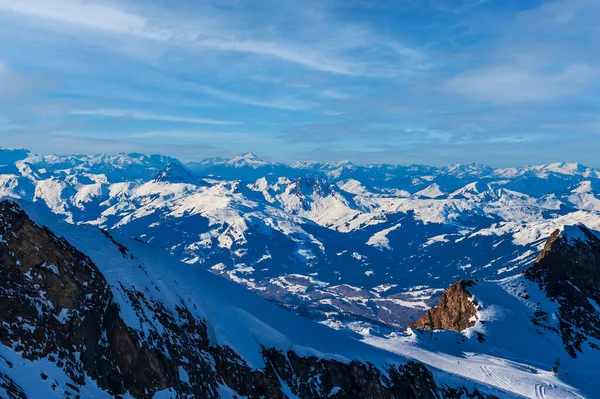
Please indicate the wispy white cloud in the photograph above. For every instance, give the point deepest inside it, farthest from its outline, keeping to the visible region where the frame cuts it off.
(13, 83)
(141, 115)
(539, 55)
(85, 14)
(499, 84)
(335, 94)
(221, 137)
(475, 76)
(285, 103)
(215, 34)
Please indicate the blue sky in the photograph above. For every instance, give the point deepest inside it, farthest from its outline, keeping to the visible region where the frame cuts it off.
(502, 82)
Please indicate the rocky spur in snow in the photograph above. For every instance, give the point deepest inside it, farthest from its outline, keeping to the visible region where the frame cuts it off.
(455, 311)
(83, 316)
(546, 319)
(567, 271)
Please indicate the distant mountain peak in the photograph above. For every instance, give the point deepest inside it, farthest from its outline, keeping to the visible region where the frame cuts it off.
(247, 159)
(585, 187)
(470, 190)
(431, 191)
(305, 164)
(175, 173)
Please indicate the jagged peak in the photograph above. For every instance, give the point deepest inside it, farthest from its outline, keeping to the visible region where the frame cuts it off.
(563, 167)
(572, 235)
(305, 164)
(14, 149)
(308, 185)
(568, 270)
(471, 168)
(342, 163)
(579, 232)
(572, 252)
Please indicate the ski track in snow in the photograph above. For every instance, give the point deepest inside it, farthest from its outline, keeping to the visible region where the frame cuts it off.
(540, 391)
(507, 376)
(495, 379)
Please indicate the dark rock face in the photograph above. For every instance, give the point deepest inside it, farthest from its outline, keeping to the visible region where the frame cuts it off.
(53, 300)
(10, 389)
(568, 270)
(56, 304)
(358, 380)
(455, 311)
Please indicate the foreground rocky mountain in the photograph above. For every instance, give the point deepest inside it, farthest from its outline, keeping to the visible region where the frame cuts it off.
(548, 317)
(82, 315)
(368, 248)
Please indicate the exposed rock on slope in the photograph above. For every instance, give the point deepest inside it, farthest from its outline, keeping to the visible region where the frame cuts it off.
(55, 302)
(455, 311)
(568, 270)
(57, 306)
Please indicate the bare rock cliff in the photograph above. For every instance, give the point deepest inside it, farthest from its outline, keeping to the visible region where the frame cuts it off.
(568, 270)
(455, 311)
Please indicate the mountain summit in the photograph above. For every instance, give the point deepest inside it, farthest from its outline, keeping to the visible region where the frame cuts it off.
(247, 159)
(175, 173)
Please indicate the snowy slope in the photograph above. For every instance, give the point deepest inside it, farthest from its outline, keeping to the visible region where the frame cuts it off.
(513, 353)
(167, 306)
(527, 325)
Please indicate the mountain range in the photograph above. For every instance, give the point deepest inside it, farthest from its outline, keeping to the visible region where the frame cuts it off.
(84, 313)
(105, 260)
(361, 247)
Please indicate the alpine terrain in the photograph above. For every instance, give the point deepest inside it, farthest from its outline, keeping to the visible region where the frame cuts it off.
(130, 275)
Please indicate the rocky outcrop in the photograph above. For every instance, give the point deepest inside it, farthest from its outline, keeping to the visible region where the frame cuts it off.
(571, 255)
(568, 270)
(55, 302)
(455, 311)
(56, 305)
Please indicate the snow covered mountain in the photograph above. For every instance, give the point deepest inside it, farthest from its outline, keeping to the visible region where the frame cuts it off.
(353, 246)
(536, 332)
(84, 314)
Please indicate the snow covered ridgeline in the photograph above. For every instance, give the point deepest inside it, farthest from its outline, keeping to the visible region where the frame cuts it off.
(82, 315)
(353, 228)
